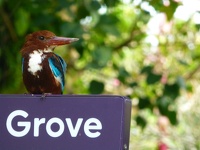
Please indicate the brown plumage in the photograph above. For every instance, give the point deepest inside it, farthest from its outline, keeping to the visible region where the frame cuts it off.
(43, 70)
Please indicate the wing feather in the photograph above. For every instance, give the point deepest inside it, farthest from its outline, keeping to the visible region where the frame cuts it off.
(58, 67)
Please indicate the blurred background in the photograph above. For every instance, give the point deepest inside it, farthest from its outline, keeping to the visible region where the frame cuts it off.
(147, 50)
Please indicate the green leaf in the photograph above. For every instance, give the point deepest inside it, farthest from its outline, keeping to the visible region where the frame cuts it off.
(82, 12)
(163, 104)
(144, 103)
(111, 3)
(189, 88)
(94, 5)
(96, 87)
(101, 56)
(171, 90)
(1, 1)
(70, 29)
(107, 25)
(169, 10)
(157, 4)
(79, 47)
(123, 74)
(133, 84)
(172, 117)
(153, 78)
(22, 21)
(147, 69)
(141, 121)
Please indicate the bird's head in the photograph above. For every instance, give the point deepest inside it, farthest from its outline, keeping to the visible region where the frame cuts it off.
(44, 40)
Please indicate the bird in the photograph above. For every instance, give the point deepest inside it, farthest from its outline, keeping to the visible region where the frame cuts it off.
(43, 71)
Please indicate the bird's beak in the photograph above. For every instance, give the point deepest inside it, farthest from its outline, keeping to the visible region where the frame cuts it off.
(61, 41)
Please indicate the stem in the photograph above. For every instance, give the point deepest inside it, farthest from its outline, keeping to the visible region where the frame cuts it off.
(8, 24)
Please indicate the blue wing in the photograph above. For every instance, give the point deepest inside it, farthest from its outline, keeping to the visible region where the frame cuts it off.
(58, 67)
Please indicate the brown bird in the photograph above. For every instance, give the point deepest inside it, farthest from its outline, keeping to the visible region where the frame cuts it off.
(43, 70)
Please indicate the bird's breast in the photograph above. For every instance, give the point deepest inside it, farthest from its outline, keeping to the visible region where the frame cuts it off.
(35, 62)
(37, 74)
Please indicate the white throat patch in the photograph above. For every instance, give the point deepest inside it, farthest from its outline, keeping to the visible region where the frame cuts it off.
(36, 58)
(35, 61)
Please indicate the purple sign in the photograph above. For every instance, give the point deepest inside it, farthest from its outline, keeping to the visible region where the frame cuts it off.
(64, 122)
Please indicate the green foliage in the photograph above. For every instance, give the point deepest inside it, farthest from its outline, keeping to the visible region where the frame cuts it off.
(113, 55)
(96, 87)
(144, 103)
(141, 121)
(21, 17)
(169, 11)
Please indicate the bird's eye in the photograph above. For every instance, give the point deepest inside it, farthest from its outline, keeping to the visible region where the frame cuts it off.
(41, 37)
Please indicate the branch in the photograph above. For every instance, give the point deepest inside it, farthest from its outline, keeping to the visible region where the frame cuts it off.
(8, 24)
(191, 74)
(132, 33)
